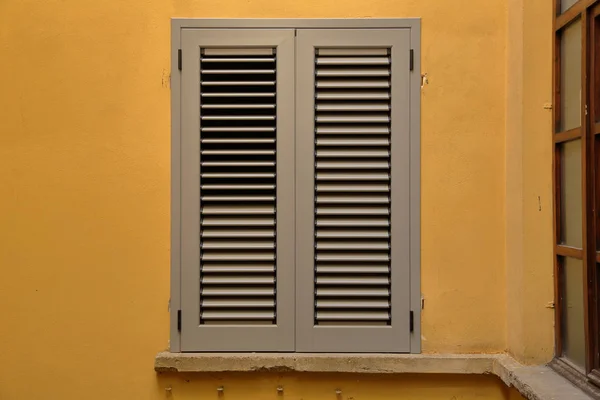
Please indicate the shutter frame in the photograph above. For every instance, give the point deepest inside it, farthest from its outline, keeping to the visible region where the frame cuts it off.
(236, 337)
(395, 337)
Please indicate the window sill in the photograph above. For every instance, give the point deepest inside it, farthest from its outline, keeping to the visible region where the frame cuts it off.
(534, 383)
(588, 384)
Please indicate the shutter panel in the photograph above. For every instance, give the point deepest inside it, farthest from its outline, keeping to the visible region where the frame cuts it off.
(237, 182)
(353, 191)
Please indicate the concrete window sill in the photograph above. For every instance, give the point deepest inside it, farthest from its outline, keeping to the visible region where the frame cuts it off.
(534, 383)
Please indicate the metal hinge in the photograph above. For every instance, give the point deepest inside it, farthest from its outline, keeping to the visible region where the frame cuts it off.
(179, 59)
(178, 320)
(412, 59)
(412, 321)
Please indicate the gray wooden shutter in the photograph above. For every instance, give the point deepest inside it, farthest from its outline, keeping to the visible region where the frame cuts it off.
(237, 190)
(353, 205)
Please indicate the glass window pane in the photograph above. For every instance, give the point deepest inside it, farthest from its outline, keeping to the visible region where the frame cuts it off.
(570, 196)
(570, 76)
(573, 330)
(566, 4)
(596, 189)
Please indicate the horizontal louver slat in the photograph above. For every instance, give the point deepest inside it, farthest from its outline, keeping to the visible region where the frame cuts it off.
(237, 233)
(343, 211)
(237, 106)
(238, 118)
(353, 107)
(349, 222)
(349, 142)
(353, 316)
(342, 153)
(356, 119)
(350, 130)
(352, 245)
(328, 199)
(238, 198)
(351, 304)
(353, 72)
(360, 61)
(238, 83)
(226, 222)
(213, 255)
(235, 317)
(238, 175)
(352, 84)
(237, 71)
(236, 280)
(352, 269)
(351, 293)
(237, 152)
(237, 129)
(236, 94)
(238, 141)
(353, 95)
(342, 187)
(352, 256)
(234, 291)
(237, 268)
(354, 234)
(238, 304)
(354, 166)
(207, 244)
(238, 186)
(237, 163)
(241, 60)
(352, 186)
(384, 176)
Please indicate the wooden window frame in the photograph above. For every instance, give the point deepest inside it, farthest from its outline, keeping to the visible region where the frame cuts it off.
(589, 133)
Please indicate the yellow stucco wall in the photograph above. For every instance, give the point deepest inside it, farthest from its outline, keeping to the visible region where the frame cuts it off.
(530, 333)
(84, 184)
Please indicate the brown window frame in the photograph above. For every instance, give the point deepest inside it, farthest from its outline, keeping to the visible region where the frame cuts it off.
(589, 133)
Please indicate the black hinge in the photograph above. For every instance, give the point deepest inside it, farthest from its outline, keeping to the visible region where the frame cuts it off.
(412, 59)
(178, 320)
(179, 59)
(412, 321)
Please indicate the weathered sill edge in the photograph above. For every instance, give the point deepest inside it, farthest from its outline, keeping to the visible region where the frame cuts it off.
(348, 363)
(534, 383)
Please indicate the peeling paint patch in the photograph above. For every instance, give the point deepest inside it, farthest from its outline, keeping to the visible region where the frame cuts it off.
(165, 79)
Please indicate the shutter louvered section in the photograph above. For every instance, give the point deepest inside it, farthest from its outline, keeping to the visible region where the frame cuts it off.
(238, 186)
(352, 186)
